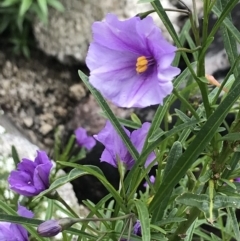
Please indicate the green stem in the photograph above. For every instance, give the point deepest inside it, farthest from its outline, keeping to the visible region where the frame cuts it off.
(176, 10)
(76, 220)
(188, 50)
(67, 206)
(183, 227)
(186, 103)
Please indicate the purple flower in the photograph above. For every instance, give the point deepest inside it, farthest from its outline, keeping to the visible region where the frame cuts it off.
(115, 148)
(137, 228)
(130, 62)
(31, 177)
(83, 139)
(49, 228)
(152, 180)
(237, 179)
(13, 231)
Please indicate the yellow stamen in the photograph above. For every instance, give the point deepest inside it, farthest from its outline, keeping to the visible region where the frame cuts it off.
(142, 64)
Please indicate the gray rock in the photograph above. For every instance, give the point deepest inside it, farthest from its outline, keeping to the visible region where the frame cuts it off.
(45, 129)
(68, 34)
(28, 121)
(77, 92)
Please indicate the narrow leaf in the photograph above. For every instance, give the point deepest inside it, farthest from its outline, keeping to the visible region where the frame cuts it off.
(73, 174)
(25, 5)
(196, 147)
(108, 112)
(144, 219)
(234, 222)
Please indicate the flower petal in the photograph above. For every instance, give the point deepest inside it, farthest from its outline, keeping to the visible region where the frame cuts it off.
(41, 176)
(114, 145)
(138, 138)
(119, 35)
(41, 158)
(24, 212)
(22, 183)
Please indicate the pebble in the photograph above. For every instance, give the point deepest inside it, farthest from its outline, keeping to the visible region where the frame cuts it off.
(28, 121)
(77, 92)
(45, 129)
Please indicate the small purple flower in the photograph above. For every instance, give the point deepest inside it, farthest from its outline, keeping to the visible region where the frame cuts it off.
(31, 177)
(13, 231)
(115, 148)
(49, 228)
(237, 179)
(137, 228)
(130, 62)
(83, 139)
(152, 180)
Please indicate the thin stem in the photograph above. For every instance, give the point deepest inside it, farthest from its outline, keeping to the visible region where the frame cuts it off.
(76, 220)
(67, 206)
(183, 227)
(189, 50)
(176, 10)
(186, 103)
(195, 14)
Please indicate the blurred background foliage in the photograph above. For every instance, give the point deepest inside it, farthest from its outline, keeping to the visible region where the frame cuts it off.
(16, 17)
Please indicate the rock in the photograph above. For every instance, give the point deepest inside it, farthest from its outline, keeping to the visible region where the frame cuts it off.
(77, 92)
(28, 121)
(87, 114)
(68, 34)
(45, 129)
(61, 111)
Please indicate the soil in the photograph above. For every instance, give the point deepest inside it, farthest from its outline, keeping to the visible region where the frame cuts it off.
(40, 95)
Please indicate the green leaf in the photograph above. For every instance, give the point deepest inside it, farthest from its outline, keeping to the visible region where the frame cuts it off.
(155, 139)
(158, 229)
(170, 220)
(135, 119)
(73, 174)
(25, 5)
(15, 156)
(231, 137)
(228, 8)
(56, 4)
(95, 171)
(144, 219)
(204, 80)
(173, 156)
(194, 200)
(43, 6)
(156, 135)
(108, 112)
(49, 211)
(233, 163)
(228, 24)
(190, 231)
(229, 183)
(8, 3)
(182, 116)
(226, 201)
(196, 147)
(228, 39)
(234, 222)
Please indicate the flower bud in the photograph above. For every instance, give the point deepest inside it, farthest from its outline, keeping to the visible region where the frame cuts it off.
(51, 228)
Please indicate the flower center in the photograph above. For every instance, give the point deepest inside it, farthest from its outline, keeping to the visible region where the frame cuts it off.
(143, 63)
